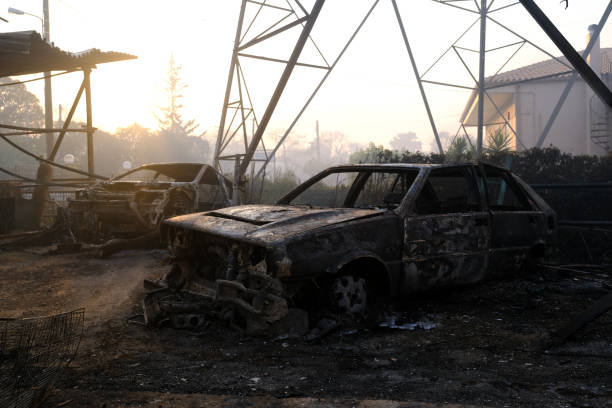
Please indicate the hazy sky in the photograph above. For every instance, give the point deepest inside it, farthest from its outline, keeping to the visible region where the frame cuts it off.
(371, 95)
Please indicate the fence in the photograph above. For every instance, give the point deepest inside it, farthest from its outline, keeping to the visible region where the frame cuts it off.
(32, 354)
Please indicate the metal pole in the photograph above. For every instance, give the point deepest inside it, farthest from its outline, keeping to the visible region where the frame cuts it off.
(481, 76)
(67, 122)
(318, 143)
(570, 83)
(418, 78)
(265, 119)
(48, 94)
(236, 185)
(228, 88)
(90, 132)
(579, 64)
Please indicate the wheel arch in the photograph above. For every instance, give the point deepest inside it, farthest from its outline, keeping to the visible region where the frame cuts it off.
(372, 269)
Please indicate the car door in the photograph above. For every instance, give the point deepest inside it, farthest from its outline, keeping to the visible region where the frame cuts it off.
(446, 235)
(515, 221)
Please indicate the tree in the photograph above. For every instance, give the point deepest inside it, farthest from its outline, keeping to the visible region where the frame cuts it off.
(18, 106)
(499, 141)
(460, 150)
(176, 140)
(406, 141)
(172, 121)
(372, 154)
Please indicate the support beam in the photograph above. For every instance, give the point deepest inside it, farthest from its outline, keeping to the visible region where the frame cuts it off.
(60, 138)
(572, 80)
(418, 77)
(262, 170)
(48, 91)
(90, 131)
(481, 77)
(579, 64)
(228, 90)
(280, 87)
(273, 33)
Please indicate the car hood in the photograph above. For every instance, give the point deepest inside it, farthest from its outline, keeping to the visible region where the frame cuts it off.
(267, 223)
(124, 190)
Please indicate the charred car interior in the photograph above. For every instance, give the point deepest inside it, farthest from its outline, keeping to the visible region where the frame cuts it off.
(346, 236)
(136, 202)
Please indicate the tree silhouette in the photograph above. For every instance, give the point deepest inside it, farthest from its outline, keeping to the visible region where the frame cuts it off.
(18, 106)
(171, 120)
(406, 141)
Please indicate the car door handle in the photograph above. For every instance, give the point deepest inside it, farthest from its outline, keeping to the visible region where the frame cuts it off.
(532, 219)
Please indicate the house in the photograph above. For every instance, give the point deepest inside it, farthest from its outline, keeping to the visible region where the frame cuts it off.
(527, 96)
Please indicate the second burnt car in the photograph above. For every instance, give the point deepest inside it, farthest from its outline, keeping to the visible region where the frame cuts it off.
(349, 233)
(136, 202)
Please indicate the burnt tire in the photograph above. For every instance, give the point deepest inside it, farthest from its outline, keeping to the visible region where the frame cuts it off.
(348, 295)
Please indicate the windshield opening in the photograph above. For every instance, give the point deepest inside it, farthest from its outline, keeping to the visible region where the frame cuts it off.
(355, 189)
(168, 173)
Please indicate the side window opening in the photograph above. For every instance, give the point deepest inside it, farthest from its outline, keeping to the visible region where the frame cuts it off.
(385, 189)
(447, 191)
(502, 193)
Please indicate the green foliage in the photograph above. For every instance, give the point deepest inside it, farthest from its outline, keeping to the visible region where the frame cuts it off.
(274, 187)
(548, 165)
(461, 149)
(499, 141)
(373, 154)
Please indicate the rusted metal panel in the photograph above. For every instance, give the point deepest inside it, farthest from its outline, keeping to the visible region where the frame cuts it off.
(442, 250)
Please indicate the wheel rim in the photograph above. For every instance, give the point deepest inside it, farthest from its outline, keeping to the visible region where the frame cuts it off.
(349, 294)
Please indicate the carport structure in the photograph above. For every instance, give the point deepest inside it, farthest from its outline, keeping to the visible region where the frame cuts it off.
(26, 53)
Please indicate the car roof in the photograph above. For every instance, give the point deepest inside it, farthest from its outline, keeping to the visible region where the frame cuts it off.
(170, 164)
(396, 165)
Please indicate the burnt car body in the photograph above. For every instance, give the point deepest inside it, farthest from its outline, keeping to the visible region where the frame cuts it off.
(137, 201)
(360, 229)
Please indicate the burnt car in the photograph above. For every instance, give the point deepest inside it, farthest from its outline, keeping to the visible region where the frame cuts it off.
(351, 233)
(136, 202)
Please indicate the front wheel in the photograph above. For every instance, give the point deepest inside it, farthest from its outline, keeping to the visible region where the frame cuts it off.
(348, 295)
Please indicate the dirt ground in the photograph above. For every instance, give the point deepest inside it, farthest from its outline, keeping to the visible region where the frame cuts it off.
(486, 347)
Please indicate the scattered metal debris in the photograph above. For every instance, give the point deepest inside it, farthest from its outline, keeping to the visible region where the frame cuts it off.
(32, 352)
(392, 323)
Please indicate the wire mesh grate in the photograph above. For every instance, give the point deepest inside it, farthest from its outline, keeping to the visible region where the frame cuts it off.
(32, 353)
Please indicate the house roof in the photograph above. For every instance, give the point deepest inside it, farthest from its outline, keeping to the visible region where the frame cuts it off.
(25, 52)
(551, 69)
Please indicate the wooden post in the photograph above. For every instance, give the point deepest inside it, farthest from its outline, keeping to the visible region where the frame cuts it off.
(90, 132)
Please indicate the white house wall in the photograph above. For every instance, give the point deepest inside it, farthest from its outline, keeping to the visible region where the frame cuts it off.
(535, 102)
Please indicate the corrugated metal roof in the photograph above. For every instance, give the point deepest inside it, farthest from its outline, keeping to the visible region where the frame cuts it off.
(25, 52)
